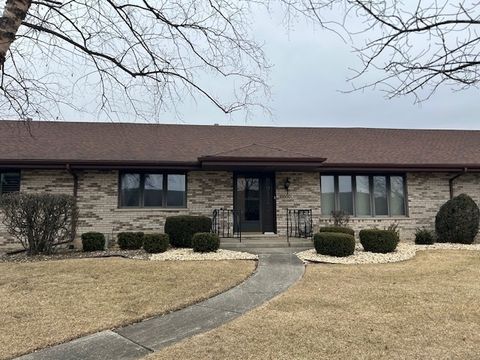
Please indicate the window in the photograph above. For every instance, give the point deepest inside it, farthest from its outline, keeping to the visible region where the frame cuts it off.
(363, 195)
(9, 182)
(380, 195)
(345, 196)
(328, 194)
(248, 193)
(175, 190)
(397, 195)
(152, 190)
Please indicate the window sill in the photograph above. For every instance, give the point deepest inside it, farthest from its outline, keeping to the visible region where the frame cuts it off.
(157, 209)
(390, 218)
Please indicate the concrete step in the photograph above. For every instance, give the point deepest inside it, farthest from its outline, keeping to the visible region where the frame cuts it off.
(264, 242)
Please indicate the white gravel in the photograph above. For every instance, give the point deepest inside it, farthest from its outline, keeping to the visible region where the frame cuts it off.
(448, 246)
(189, 254)
(403, 252)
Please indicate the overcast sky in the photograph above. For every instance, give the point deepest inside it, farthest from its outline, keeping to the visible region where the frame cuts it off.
(310, 69)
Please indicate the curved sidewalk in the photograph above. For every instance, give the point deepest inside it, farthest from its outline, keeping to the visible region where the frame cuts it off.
(276, 271)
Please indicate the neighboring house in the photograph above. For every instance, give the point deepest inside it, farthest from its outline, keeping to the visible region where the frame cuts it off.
(129, 177)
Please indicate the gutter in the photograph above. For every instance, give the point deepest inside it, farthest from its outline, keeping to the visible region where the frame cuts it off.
(450, 181)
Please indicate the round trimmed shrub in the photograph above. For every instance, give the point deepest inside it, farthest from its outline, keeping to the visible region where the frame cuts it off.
(93, 241)
(378, 241)
(155, 243)
(424, 237)
(457, 220)
(130, 240)
(181, 228)
(337, 229)
(205, 242)
(334, 243)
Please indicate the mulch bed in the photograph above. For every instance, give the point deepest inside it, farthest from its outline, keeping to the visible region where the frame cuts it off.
(74, 254)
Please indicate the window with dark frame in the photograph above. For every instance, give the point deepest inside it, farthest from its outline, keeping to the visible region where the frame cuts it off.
(144, 190)
(9, 182)
(364, 195)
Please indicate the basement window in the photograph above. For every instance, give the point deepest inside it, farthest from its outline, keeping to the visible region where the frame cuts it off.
(364, 195)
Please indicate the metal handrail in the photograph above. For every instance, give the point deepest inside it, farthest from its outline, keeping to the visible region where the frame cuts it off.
(227, 223)
(299, 223)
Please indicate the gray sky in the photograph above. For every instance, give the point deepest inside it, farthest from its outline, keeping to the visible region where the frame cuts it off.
(310, 69)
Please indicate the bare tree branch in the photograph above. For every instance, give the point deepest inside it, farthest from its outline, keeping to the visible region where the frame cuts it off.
(147, 54)
(410, 47)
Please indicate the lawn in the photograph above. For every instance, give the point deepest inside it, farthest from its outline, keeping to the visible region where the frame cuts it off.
(424, 308)
(45, 303)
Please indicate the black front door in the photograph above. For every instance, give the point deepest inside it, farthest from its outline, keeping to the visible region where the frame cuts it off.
(255, 199)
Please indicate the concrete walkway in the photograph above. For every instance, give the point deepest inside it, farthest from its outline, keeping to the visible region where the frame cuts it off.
(276, 271)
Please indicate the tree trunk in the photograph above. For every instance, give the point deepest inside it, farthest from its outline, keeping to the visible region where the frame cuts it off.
(11, 19)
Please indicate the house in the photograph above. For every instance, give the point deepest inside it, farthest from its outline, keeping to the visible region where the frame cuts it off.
(130, 177)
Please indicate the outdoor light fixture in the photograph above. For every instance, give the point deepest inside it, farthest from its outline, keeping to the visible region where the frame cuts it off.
(286, 184)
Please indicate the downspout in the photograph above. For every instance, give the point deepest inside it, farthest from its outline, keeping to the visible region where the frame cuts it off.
(75, 195)
(75, 180)
(450, 181)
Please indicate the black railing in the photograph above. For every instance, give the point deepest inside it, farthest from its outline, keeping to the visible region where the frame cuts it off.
(299, 223)
(227, 223)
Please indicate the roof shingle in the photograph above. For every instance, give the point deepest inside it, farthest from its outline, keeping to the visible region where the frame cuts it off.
(156, 144)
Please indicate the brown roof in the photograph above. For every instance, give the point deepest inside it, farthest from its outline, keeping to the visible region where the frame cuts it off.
(260, 152)
(155, 144)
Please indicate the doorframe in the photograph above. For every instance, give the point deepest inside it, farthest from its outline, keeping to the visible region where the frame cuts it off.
(259, 174)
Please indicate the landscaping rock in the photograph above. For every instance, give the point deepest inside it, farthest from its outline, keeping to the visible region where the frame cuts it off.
(189, 254)
(403, 252)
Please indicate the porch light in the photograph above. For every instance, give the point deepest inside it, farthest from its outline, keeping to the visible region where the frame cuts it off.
(286, 184)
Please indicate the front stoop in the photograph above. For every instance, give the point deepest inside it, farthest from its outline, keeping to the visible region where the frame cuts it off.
(264, 241)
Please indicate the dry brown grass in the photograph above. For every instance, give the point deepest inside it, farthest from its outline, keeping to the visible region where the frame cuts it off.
(44, 303)
(425, 308)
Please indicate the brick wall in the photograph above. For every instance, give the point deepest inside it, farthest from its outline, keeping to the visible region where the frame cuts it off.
(98, 202)
(426, 193)
(52, 181)
(206, 190)
(303, 193)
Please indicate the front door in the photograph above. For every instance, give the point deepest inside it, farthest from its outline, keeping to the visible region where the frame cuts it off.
(255, 200)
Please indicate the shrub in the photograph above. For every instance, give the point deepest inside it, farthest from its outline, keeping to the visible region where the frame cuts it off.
(93, 241)
(378, 241)
(130, 240)
(457, 220)
(40, 222)
(155, 243)
(181, 228)
(337, 229)
(393, 228)
(424, 237)
(334, 243)
(340, 218)
(205, 242)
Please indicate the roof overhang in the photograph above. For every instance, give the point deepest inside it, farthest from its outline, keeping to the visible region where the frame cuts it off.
(236, 164)
(400, 167)
(98, 164)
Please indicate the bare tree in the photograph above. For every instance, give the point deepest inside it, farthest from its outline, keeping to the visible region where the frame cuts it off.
(144, 53)
(411, 47)
(149, 54)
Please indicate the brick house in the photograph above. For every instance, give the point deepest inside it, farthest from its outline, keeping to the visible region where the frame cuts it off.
(129, 177)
